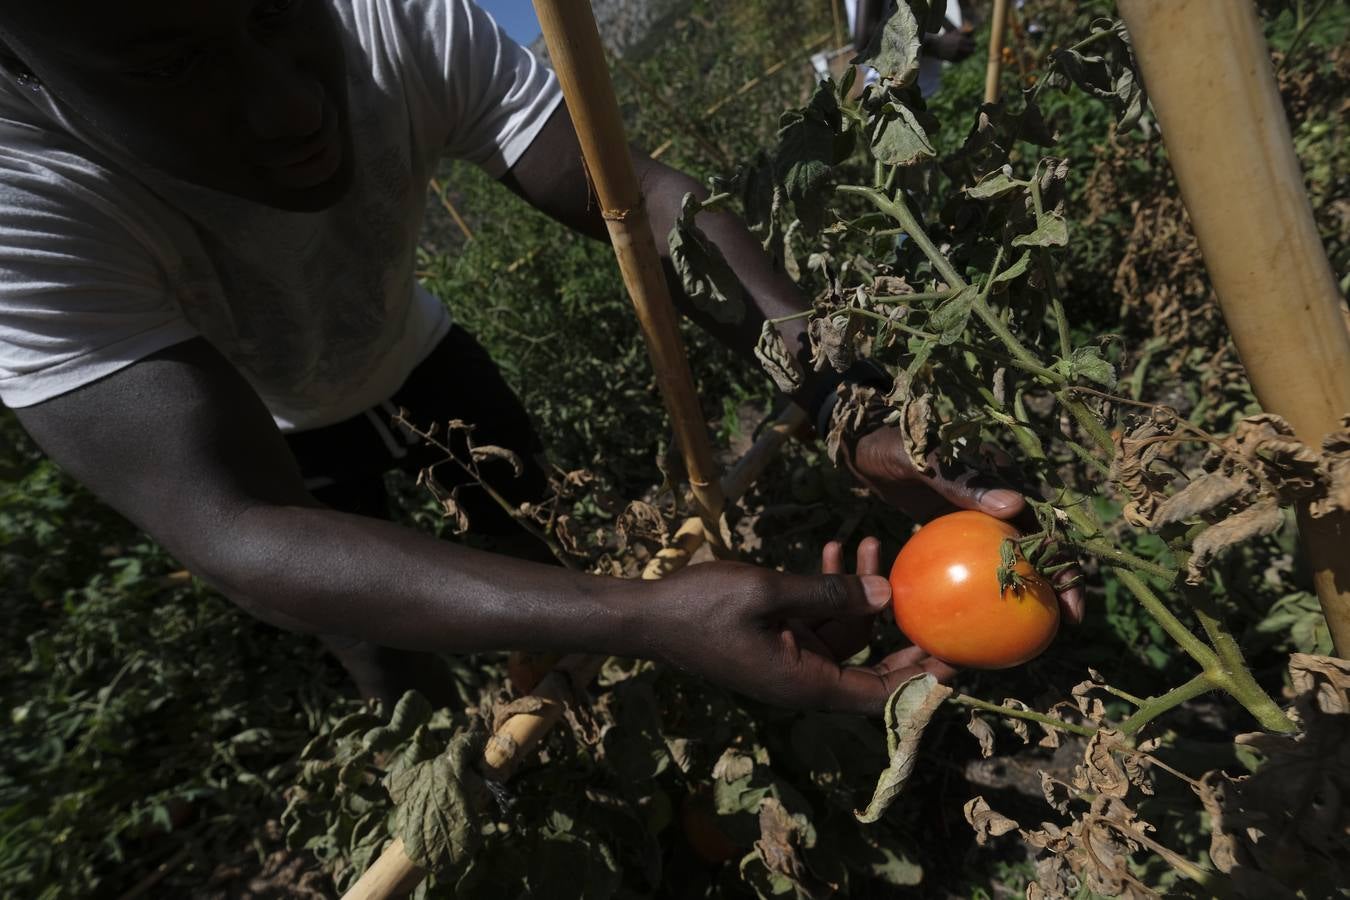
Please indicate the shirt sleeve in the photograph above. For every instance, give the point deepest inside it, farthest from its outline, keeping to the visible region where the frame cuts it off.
(81, 292)
(484, 96)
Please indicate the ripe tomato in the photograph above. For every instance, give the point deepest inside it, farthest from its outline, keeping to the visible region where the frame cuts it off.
(944, 588)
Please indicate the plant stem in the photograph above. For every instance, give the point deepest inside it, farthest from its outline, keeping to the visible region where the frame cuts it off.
(923, 297)
(1153, 707)
(1124, 695)
(1113, 554)
(896, 209)
(1029, 715)
(1056, 304)
(797, 315)
(1197, 649)
(1234, 676)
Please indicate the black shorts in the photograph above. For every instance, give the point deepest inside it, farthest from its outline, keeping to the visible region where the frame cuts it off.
(344, 464)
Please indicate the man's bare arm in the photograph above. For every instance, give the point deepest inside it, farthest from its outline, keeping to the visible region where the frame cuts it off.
(180, 444)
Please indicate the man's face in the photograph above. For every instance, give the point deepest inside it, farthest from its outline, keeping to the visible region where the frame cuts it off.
(244, 96)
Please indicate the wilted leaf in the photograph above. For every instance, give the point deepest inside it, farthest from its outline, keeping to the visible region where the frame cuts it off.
(1015, 270)
(485, 452)
(908, 712)
(832, 341)
(805, 153)
(707, 278)
(985, 821)
(451, 509)
(1203, 494)
(900, 137)
(1335, 466)
(438, 803)
(1088, 363)
(1057, 793)
(410, 713)
(780, 365)
(1105, 776)
(1052, 230)
(983, 732)
(1261, 518)
(733, 765)
(995, 185)
(949, 319)
(894, 48)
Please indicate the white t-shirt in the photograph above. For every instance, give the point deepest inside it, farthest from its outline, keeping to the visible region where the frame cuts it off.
(104, 262)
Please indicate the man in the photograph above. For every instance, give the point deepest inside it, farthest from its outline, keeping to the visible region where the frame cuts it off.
(208, 218)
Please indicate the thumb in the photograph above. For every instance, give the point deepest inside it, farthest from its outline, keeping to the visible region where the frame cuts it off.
(971, 491)
(815, 597)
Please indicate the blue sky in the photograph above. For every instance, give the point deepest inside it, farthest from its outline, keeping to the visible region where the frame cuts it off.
(516, 16)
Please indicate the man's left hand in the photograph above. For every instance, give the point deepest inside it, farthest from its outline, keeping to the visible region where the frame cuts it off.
(879, 461)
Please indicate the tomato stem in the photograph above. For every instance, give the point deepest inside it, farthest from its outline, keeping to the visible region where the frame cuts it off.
(1029, 715)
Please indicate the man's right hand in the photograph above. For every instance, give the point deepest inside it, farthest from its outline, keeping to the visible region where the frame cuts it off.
(742, 627)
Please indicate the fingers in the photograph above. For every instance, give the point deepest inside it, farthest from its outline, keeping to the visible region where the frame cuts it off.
(832, 559)
(967, 489)
(830, 596)
(1072, 602)
(869, 556)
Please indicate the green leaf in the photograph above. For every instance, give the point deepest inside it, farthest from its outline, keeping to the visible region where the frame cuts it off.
(1087, 362)
(949, 320)
(1016, 269)
(704, 272)
(894, 48)
(901, 137)
(908, 712)
(1051, 231)
(997, 185)
(438, 805)
(806, 152)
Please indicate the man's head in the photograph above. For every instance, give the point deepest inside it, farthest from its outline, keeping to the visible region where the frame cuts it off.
(244, 96)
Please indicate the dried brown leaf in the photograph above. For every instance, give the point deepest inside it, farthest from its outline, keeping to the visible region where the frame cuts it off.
(486, 452)
(985, 821)
(1104, 773)
(1261, 518)
(1205, 493)
(1057, 793)
(781, 365)
(983, 732)
(1335, 469)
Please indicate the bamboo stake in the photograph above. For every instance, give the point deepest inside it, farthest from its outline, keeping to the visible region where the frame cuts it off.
(837, 15)
(995, 67)
(1209, 75)
(391, 875)
(690, 535)
(579, 59)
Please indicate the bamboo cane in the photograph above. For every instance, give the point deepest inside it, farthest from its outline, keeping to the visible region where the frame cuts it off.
(579, 59)
(690, 535)
(1209, 75)
(997, 26)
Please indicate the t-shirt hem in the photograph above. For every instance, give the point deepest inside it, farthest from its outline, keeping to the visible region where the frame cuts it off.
(31, 388)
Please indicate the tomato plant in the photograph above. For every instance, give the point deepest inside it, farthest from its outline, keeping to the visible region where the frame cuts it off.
(948, 598)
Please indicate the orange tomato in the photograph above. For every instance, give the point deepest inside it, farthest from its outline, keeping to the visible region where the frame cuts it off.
(945, 592)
